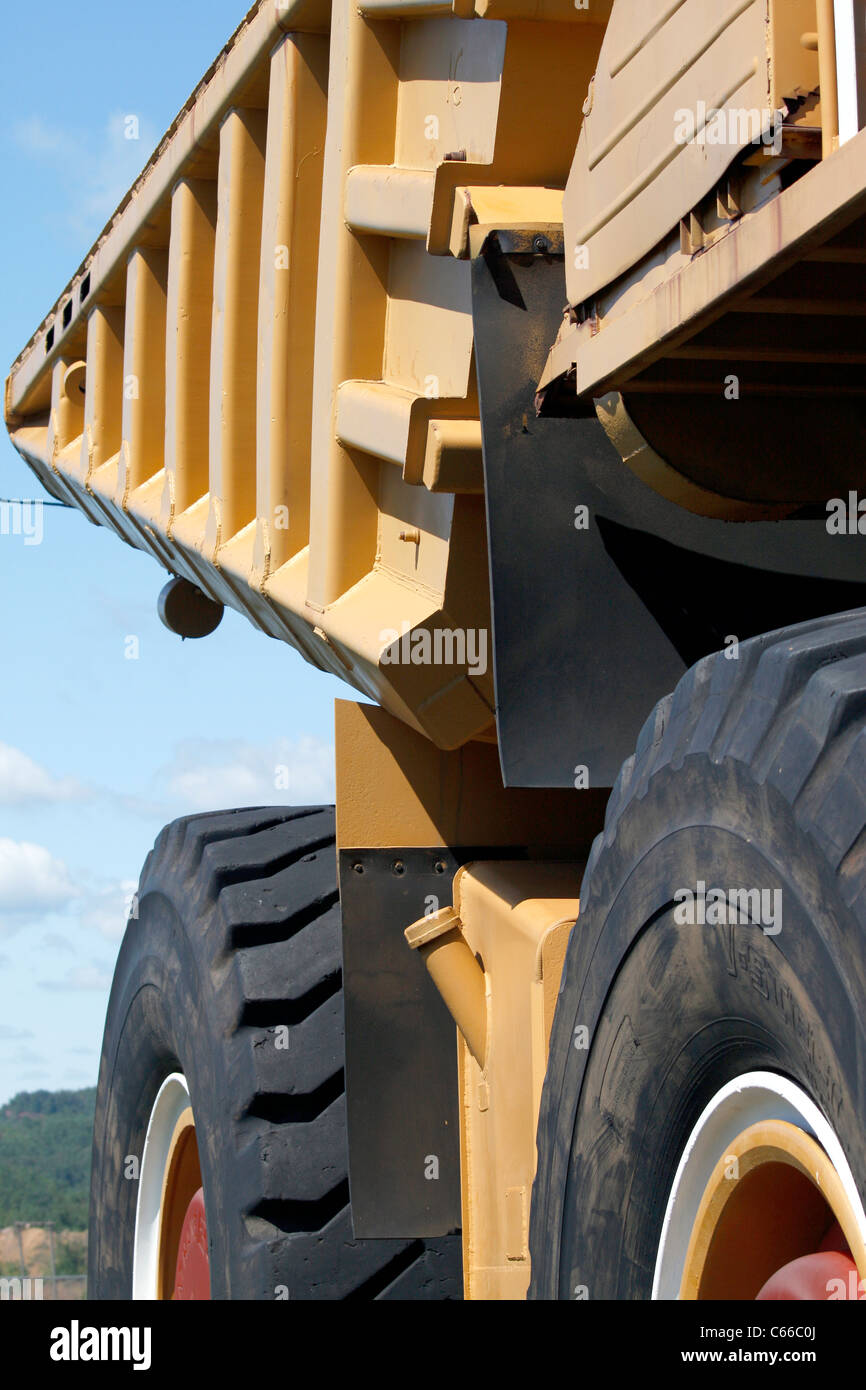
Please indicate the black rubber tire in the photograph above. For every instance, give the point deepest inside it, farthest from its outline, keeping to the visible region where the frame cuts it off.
(751, 775)
(238, 933)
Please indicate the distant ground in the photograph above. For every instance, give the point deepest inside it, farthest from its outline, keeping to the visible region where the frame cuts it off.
(45, 1140)
(70, 1252)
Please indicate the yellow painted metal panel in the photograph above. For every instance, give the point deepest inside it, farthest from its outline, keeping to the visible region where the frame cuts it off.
(66, 424)
(280, 399)
(297, 113)
(665, 66)
(189, 301)
(143, 411)
(104, 396)
(237, 255)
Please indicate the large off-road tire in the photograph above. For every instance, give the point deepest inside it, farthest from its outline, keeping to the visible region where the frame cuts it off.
(237, 939)
(752, 775)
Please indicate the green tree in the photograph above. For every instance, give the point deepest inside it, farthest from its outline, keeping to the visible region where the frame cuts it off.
(45, 1142)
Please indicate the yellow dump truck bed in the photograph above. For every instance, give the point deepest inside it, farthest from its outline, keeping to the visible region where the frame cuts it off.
(263, 371)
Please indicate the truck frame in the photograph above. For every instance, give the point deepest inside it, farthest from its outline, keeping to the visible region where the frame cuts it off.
(488, 354)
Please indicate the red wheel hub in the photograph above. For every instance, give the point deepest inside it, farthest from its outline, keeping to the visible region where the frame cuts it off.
(828, 1274)
(192, 1278)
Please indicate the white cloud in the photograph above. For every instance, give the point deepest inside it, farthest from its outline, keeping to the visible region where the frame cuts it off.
(36, 137)
(93, 173)
(147, 807)
(32, 883)
(81, 977)
(24, 781)
(209, 774)
(29, 1055)
(107, 908)
(54, 941)
(8, 1034)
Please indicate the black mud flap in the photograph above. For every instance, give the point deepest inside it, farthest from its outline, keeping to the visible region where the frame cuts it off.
(598, 612)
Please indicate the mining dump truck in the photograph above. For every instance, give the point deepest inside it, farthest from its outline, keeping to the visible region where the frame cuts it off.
(506, 359)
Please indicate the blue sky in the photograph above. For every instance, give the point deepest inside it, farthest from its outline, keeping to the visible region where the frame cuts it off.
(98, 751)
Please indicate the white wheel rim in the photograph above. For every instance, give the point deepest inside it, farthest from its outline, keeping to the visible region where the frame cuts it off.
(171, 1101)
(748, 1100)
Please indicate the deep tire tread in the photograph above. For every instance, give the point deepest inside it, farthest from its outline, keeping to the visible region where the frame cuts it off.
(792, 710)
(265, 929)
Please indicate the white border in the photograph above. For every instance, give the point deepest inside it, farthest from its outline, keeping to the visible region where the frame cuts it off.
(171, 1101)
(749, 1099)
(848, 13)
